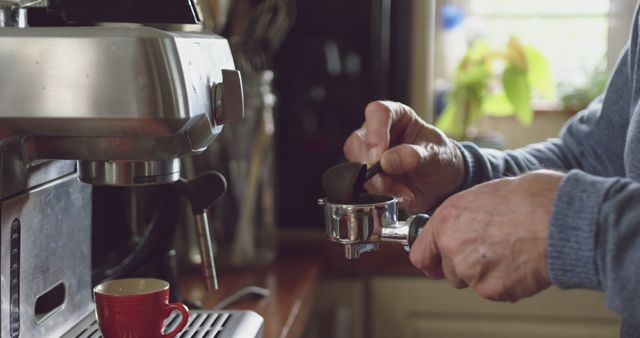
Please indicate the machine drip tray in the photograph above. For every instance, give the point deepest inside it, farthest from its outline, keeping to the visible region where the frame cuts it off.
(202, 324)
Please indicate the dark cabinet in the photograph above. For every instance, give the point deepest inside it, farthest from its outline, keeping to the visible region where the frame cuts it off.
(339, 56)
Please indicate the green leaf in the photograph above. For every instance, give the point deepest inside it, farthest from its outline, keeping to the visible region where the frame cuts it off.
(449, 121)
(479, 50)
(516, 54)
(516, 86)
(540, 74)
(473, 103)
(475, 74)
(498, 105)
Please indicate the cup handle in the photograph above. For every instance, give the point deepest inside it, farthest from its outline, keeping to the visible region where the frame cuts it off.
(184, 313)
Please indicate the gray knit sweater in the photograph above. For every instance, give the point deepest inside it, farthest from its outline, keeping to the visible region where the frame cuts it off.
(594, 235)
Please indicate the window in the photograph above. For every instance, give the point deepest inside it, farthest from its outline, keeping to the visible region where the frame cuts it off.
(572, 34)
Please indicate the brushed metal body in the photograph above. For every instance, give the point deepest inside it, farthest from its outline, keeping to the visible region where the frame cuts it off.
(125, 103)
(55, 247)
(101, 93)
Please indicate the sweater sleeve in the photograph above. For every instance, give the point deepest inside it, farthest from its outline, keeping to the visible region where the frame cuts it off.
(594, 239)
(592, 141)
(577, 148)
(617, 247)
(594, 232)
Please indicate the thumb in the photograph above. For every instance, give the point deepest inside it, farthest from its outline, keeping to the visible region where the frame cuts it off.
(403, 159)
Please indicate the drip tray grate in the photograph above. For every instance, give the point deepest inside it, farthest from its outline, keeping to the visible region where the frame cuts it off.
(202, 324)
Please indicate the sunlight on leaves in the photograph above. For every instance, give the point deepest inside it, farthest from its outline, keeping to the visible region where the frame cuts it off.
(516, 85)
(540, 74)
(476, 92)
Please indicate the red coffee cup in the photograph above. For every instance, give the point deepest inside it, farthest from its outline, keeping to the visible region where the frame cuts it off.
(136, 308)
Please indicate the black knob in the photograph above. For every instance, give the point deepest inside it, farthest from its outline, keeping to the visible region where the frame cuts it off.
(202, 191)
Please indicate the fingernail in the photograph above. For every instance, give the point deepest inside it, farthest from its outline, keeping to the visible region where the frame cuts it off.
(374, 155)
(377, 183)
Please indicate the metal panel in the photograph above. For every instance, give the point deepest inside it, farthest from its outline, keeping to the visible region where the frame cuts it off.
(54, 247)
(132, 93)
(202, 324)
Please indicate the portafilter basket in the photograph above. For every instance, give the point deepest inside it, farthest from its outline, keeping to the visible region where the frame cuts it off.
(361, 227)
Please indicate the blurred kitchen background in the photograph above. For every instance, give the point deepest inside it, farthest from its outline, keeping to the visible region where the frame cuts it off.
(309, 69)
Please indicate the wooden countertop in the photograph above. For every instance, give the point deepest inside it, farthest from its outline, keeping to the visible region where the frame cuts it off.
(292, 280)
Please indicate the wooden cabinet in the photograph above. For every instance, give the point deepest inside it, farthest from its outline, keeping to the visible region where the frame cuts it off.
(411, 307)
(339, 310)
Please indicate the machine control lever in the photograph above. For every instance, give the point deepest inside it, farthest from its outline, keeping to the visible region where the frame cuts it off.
(202, 192)
(227, 98)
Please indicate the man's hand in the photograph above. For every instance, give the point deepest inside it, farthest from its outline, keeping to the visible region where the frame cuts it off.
(419, 162)
(492, 237)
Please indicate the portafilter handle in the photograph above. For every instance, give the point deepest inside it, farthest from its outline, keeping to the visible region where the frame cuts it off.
(202, 192)
(405, 232)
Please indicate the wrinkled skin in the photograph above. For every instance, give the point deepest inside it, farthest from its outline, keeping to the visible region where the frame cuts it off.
(491, 237)
(419, 162)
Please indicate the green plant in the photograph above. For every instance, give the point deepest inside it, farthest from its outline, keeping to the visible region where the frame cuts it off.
(575, 97)
(495, 82)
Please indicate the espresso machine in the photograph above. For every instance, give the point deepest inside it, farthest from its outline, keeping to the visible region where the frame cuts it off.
(88, 107)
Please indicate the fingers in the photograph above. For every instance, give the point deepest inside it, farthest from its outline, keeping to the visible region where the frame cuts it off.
(378, 120)
(424, 254)
(368, 142)
(385, 184)
(355, 147)
(451, 274)
(403, 159)
(398, 160)
(384, 121)
(440, 254)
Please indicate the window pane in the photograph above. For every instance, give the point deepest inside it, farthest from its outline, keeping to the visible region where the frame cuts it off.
(572, 34)
(573, 46)
(540, 7)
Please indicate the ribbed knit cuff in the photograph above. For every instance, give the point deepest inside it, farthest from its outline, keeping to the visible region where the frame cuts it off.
(472, 164)
(573, 230)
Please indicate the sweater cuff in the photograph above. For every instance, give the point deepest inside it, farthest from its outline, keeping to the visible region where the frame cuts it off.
(472, 164)
(573, 229)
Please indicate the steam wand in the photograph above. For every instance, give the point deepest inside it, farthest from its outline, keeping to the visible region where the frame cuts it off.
(202, 192)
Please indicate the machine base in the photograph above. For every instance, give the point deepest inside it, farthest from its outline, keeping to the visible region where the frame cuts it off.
(202, 323)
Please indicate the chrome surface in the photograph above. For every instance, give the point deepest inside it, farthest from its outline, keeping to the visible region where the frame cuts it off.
(358, 223)
(361, 227)
(133, 93)
(126, 103)
(55, 247)
(24, 3)
(129, 173)
(229, 107)
(13, 17)
(353, 251)
(396, 233)
(17, 176)
(202, 323)
(206, 251)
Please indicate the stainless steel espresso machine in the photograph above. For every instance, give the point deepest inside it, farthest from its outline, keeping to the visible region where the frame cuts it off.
(88, 107)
